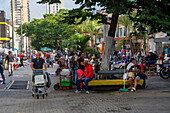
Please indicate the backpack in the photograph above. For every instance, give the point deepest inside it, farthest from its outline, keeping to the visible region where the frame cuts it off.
(72, 62)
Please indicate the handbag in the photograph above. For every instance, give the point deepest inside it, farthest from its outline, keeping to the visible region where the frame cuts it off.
(131, 75)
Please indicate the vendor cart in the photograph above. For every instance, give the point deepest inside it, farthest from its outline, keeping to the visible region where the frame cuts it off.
(65, 80)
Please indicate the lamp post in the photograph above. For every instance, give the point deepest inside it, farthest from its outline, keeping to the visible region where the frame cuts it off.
(21, 29)
(12, 26)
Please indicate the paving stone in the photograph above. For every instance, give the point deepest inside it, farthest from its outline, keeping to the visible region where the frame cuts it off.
(155, 99)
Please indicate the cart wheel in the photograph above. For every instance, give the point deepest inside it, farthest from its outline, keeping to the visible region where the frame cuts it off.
(37, 96)
(56, 86)
(43, 96)
(32, 95)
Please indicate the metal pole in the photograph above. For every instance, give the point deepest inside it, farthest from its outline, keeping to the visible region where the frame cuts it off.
(49, 6)
(12, 26)
(26, 40)
(21, 30)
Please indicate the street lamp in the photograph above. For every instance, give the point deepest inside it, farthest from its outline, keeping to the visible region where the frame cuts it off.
(21, 26)
(12, 26)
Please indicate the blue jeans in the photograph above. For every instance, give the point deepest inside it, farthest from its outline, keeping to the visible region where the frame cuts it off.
(86, 82)
(144, 80)
(2, 73)
(75, 75)
(150, 62)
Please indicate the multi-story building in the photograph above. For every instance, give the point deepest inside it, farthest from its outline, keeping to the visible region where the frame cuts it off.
(21, 14)
(55, 8)
(4, 31)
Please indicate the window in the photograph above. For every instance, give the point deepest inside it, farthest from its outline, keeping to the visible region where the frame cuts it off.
(121, 31)
(127, 31)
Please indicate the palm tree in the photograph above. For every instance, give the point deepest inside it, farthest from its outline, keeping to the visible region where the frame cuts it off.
(125, 20)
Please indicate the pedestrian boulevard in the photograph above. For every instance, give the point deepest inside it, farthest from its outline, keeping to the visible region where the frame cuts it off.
(154, 99)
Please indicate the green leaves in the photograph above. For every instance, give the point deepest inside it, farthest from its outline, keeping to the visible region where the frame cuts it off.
(154, 13)
(49, 1)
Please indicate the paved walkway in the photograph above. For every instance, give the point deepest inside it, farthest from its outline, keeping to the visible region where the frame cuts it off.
(155, 99)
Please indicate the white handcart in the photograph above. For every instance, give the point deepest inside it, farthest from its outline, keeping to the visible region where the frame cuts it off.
(40, 81)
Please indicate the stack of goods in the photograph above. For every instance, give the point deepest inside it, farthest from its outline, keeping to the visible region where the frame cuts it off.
(66, 79)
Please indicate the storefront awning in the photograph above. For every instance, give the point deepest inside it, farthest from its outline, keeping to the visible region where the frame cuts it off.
(166, 39)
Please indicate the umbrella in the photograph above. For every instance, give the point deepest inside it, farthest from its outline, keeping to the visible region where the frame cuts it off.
(45, 49)
(16, 49)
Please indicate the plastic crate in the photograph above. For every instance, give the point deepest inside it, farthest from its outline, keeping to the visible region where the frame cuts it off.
(65, 87)
(65, 84)
(63, 81)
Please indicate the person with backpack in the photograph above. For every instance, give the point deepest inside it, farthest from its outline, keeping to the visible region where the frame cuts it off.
(2, 70)
(10, 61)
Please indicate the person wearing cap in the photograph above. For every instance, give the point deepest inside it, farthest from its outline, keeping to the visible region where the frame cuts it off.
(151, 58)
(86, 77)
(123, 62)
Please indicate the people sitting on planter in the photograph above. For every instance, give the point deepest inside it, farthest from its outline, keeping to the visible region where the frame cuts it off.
(135, 74)
(86, 77)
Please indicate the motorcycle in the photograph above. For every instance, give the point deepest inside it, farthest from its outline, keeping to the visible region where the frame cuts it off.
(164, 70)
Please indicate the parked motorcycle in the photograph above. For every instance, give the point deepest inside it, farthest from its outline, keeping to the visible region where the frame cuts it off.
(164, 70)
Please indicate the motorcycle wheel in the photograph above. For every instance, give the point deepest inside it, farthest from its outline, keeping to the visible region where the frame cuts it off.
(164, 74)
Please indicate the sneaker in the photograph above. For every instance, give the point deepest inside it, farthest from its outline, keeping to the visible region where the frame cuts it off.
(134, 89)
(77, 91)
(87, 92)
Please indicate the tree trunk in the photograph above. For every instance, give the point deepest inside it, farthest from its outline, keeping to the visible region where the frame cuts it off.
(109, 44)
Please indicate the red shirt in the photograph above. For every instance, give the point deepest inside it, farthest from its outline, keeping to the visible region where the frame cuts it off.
(88, 71)
(20, 56)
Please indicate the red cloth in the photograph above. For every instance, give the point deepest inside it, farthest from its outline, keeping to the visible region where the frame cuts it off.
(48, 55)
(20, 56)
(80, 73)
(141, 67)
(88, 71)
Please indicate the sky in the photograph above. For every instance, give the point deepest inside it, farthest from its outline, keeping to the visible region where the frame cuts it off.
(36, 10)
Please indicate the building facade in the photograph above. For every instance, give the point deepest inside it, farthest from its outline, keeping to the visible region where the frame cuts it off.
(4, 31)
(21, 14)
(55, 8)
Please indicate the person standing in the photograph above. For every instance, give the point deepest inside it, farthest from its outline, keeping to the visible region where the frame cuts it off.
(2, 70)
(80, 65)
(10, 61)
(21, 56)
(33, 56)
(53, 57)
(71, 65)
(128, 54)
